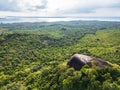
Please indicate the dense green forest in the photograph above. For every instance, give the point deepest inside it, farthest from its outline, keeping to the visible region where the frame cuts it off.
(34, 56)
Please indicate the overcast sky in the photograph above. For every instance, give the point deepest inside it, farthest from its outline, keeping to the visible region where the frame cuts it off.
(60, 8)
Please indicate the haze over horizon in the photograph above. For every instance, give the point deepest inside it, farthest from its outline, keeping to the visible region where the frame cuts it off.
(60, 8)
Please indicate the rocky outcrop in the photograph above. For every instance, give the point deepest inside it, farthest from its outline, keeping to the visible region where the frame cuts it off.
(77, 61)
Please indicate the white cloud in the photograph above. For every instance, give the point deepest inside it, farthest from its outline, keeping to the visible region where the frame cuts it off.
(83, 7)
(31, 5)
(22, 5)
(60, 8)
(108, 12)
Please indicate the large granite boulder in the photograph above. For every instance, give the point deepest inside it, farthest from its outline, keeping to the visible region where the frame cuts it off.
(77, 61)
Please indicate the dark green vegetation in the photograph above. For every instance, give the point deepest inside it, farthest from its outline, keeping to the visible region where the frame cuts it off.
(33, 56)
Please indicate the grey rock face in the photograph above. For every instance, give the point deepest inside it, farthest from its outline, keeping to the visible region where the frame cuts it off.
(77, 61)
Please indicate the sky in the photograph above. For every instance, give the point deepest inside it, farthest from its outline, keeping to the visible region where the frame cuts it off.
(60, 8)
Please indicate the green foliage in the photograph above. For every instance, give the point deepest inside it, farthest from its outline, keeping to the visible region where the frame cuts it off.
(33, 56)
